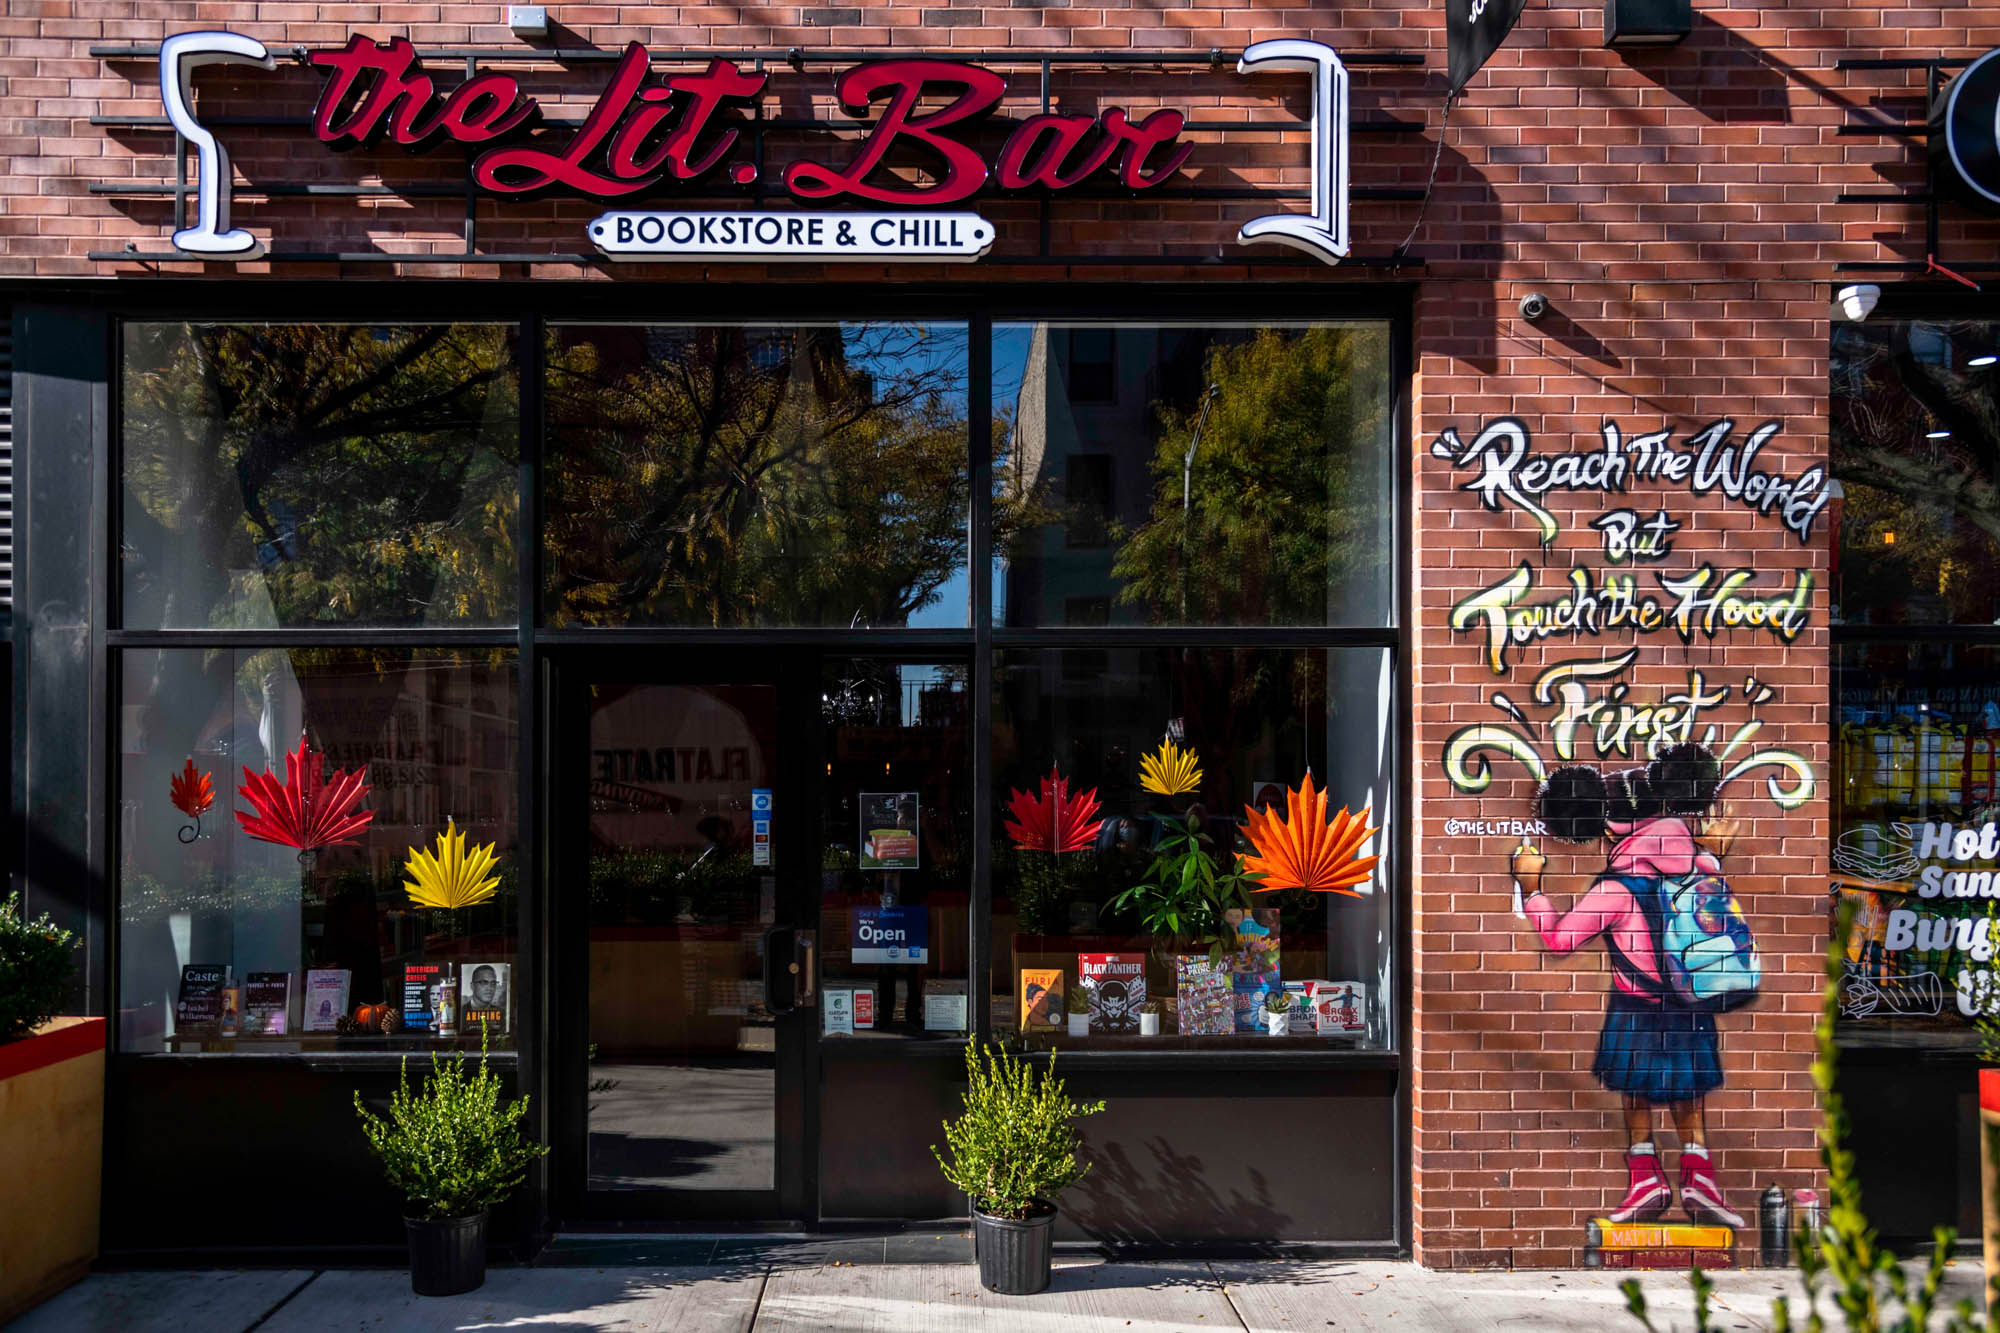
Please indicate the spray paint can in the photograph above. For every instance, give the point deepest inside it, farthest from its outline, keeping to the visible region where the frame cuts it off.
(1774, 1222)
(1805, 1205)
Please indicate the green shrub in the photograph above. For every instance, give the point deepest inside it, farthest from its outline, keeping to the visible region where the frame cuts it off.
(454, 1149)
(1870, 1291)
(34, 970)
(1016, 1141)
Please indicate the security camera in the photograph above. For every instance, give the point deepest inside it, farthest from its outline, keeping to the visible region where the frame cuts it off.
(1857, 302)
(1533, 306)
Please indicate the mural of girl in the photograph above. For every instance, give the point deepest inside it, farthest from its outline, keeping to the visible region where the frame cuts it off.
(1655, 1050)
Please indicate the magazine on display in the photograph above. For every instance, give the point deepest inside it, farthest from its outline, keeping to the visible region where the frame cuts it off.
(484, 995)
(325, 998)
(267, 1004)
(1116, 985)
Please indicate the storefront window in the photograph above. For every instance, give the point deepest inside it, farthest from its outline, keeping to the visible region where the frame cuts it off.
(1157, 813)
(1916, 845)
(1915, 425)
(1192, 475)
(727, 476)
(283, 475)
(895, 868)
(273, 806)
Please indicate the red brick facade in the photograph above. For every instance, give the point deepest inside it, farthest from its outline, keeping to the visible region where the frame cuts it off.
(1678, 208)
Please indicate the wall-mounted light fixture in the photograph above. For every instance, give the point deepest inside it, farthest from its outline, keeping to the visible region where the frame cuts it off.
(1647, 22)
(528, 20)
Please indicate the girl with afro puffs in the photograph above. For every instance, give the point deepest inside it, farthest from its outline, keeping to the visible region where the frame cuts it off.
(1652, 1051)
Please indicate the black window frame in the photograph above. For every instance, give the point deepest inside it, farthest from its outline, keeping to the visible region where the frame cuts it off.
(540, 984)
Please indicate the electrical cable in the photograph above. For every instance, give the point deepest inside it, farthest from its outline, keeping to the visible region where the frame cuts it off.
(1430, 185)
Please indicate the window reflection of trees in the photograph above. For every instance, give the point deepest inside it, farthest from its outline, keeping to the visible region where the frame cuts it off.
(281, 475)
(724, 476)
(1920, 517)
(1265, 500)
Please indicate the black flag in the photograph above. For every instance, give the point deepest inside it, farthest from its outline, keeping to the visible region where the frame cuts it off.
(1473, 31)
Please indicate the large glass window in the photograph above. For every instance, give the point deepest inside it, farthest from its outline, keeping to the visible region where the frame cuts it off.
(283, 475)
(727, 475)
(1209, 474)
(1156, 811)
(1916, 450)
(1916, 455)
(272, 808)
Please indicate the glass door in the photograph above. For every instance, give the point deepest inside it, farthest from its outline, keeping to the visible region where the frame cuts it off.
(689, 958)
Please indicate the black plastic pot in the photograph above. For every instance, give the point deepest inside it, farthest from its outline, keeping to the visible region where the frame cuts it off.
(1014, 1252)
(447, 1256)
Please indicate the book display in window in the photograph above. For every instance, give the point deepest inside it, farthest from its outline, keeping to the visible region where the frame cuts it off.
(267, 1004)
(1041, 999)
(1205, 1001)
(326, 998)
(1253, 964)
(199, 1004)
(1116, 985)
(419, 1015)
(484, 993)
(1340, 1009)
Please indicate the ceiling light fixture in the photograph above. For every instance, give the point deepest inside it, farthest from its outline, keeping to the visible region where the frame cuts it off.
(1983, 361)
(1937, 434)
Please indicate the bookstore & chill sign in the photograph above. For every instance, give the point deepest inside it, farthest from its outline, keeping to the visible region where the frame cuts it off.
(645, 134)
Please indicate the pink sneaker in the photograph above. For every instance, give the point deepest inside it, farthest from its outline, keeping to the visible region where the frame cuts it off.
(1649, 1194)
(1700, 1195)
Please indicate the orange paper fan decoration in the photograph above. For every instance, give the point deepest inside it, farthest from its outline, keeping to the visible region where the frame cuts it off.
(1302, 851)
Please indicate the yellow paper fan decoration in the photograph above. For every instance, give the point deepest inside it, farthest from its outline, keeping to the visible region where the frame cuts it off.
(1302, 851)
(455, 877)
(1170, 771)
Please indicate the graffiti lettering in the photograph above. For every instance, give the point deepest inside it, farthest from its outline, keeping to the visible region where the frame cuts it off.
(1628, 537)
(1704, 602)
(1706, 462)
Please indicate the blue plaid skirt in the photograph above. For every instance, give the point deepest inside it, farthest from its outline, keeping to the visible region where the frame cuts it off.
(1656, 1051)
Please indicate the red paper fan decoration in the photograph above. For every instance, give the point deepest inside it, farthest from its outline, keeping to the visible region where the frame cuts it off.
(1054, 821)
(192, 791)
(304, 811)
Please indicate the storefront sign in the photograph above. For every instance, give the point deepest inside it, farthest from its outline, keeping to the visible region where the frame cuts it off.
(892, 935)
(1972, 127)
(747, 233)
(685, 129)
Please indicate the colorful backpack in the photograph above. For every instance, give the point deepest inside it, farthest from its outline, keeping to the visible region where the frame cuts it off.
(1707, 958)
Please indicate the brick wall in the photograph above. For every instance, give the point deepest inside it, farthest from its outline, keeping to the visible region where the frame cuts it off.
(1677, 207)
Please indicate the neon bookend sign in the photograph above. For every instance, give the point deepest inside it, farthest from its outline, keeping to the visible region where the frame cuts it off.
(648, 132)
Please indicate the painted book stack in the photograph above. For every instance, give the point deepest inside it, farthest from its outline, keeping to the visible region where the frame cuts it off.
(1677, 1245)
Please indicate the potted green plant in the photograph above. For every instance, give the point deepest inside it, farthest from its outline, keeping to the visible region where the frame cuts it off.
(454, 1149)
(1077, 1002)
(1149, 1019)
(1278, 1013)
(1013, 1149)
(1183, 897)
(52, 1108)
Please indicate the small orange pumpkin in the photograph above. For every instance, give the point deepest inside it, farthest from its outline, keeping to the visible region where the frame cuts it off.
(368, 1017)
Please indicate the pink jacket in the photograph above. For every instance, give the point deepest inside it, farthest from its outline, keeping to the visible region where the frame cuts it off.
(1661, 847)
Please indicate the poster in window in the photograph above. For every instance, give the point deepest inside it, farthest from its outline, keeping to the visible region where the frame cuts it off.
(483, 996)
(894, 935)
(889, 830)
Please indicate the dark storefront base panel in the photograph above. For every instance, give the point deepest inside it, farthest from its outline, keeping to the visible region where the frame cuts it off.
(255, 1157)
(1915, 1135)
(1220, 1159)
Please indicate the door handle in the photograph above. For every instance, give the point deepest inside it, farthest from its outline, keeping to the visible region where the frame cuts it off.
(780, 977)
(805, 969)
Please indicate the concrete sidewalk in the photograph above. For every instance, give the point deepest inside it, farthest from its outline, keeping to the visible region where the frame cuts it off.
(820, 1297)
